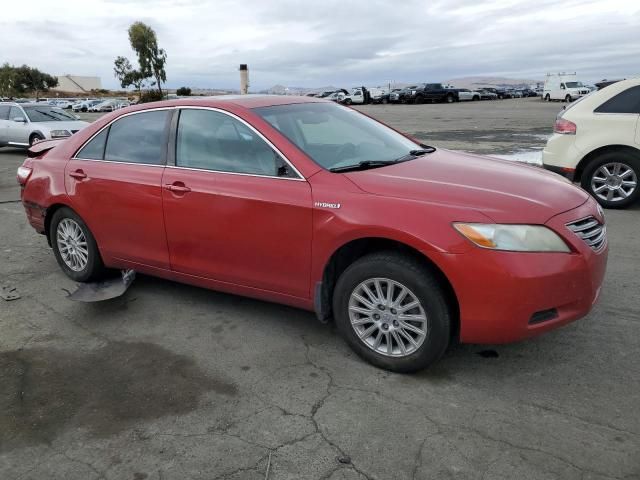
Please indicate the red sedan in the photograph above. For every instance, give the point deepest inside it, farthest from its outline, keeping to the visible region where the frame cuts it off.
(312, 204)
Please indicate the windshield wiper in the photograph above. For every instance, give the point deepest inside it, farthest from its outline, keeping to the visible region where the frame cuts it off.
(366, 164)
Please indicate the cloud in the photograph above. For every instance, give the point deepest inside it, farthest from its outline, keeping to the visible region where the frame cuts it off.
(332, 42)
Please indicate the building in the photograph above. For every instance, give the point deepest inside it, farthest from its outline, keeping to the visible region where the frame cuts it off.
(77, 84)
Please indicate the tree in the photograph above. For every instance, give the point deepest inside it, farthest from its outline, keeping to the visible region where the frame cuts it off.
(152, 59)
(32, 80)
(127, 75)
(183, 91)
(7, 80)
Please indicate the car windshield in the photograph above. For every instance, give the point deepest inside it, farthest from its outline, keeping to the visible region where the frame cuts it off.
(335, 136)
(45, 113)
(574, 84)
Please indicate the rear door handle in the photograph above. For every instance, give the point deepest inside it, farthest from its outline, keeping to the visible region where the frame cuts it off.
(177, 188)
(78, 175)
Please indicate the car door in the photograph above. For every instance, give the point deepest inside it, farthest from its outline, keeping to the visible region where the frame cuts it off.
(235, 210)
(4, 122)
(114, 184)
(18, 128)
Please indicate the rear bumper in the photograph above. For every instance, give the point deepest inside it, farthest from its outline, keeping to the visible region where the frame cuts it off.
(509, 296)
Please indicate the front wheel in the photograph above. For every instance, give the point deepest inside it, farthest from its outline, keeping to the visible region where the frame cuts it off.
(568, 99)
(450, 99)
(74, 247)
(392, 311)
(35, 138)
(347, 101)
(612, 179)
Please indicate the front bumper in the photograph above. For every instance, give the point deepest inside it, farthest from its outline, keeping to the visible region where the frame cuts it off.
(563, 171)
(509, 296)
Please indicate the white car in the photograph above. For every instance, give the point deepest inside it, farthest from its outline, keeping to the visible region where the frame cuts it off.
(22, 125)
(564, 87)
(596, 142)
(355, 97)
(465, 95)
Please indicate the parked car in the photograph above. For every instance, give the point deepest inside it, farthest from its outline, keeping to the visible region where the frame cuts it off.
(337, 96)
(564, 87)
(596, 142)
(23, 124)
(486, 94)
(431, 93)
(527, 92)
(500, 93)
(464, 94)
(357, 96)
(392, 97)
(405, 246)
(64, 104)
(85, 105)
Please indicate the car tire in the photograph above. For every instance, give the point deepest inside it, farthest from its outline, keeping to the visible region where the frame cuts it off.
(610, 190)
(450, 99)
(568, 99)
(347, 101)
(68, 230)
(547, 98)
(419, 100)
(34, 138)
(475, 99)
(403, 272)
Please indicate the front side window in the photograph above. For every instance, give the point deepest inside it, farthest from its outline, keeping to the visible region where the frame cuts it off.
(15, 113)
(627, 101)
(138, 138)
(335, 136)
(211, 140)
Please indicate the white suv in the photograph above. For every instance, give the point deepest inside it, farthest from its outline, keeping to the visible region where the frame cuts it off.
(596, 142)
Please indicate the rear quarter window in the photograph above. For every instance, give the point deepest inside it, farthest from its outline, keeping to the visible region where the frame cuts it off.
(627, 101)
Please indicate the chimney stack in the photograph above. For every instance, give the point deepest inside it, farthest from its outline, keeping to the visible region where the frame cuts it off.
(244, 79)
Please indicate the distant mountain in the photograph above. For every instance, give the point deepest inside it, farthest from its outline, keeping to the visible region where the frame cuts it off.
(479, 82)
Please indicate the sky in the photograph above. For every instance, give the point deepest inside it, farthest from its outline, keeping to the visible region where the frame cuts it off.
(311, 43)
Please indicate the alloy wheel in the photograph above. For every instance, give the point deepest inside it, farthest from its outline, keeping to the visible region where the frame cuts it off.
(387, 317)
(72, 245)
(614, 182)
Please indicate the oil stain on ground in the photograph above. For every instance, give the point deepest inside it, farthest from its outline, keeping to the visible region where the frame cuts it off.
(45, 391)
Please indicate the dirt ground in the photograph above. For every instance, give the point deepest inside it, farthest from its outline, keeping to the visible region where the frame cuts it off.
(176, 382)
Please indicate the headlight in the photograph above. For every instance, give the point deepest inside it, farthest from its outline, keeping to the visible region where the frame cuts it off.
(413, 92)
(515, 238)
(60, 133)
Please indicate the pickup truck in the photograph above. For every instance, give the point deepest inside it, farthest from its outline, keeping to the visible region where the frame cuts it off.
(431, 93)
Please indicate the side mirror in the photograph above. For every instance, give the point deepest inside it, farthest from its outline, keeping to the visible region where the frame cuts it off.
(20, 120)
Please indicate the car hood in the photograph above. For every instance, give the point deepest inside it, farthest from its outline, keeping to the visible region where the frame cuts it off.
(70, 125)
(505, 191)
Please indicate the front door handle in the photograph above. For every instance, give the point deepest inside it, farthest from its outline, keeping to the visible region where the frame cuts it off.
(177, 187)
(78, 175)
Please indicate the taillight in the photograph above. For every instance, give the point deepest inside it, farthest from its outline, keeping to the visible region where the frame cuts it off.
(565, 127)
(23, 175)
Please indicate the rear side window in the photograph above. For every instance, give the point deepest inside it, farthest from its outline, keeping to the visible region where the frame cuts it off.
(94, 150)
(138, 138)
(624, 102)
(4, 112)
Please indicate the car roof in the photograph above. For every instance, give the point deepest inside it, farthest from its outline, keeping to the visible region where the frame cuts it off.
(222, 101)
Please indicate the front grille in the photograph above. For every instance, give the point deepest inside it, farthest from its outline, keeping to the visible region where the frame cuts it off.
(591, 231)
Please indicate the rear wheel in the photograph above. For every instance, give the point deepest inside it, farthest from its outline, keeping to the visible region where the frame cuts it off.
(547, 98)
(612, 178)
(74, 247)
(392, 312)
(419, 99)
